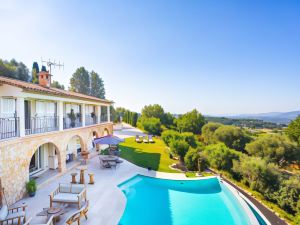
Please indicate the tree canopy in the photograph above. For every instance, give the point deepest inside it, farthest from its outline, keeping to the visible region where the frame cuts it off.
(293, 130)
(257, 173)
(220, 156)
(14, 69)
(232, 137)
(84, 82)
(80, 81)
(56, 84)
(155, 111)
(97, 86)
(179, 147)
(274, 148)
(208, 131)
(190, 122)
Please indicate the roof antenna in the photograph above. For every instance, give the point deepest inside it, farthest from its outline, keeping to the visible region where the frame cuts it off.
(52, 63)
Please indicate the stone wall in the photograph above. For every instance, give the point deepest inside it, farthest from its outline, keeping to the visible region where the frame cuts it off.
(15, 155)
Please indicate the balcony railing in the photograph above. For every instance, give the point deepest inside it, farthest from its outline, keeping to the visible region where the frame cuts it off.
(68, 123)
(41, 124)
(9, 127)
(90, 120)
(104, 118)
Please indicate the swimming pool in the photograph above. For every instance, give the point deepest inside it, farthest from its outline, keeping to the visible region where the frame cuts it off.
(152, 201)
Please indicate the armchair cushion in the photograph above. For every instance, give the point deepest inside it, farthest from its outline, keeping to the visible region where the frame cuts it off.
(65, 197)
(3, 212)
(77, 188)
(15, 215)
(64, 188)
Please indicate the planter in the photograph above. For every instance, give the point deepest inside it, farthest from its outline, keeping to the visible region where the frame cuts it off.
(32, 194)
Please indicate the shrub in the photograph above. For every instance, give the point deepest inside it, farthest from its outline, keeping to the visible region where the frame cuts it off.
(274, 148)
(150, 125)
(189, 137)
(258, 174)
(208, 131)
(220, 156)
(191, 159)
(179, 148)
(168, 135)
(233, 137)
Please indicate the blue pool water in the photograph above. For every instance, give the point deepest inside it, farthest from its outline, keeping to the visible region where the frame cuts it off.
(152, 201)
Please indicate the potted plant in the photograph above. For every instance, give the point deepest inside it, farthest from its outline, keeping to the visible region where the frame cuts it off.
(31, 187)
(72, 117)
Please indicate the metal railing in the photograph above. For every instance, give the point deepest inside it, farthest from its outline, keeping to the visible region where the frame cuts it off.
(41, 124)
(90, 120)
(9, 127)
(104, 118)
(68, 123)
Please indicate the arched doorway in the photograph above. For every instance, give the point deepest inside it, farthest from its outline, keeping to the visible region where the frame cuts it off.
(73, 150)
(94, 135)
(106, 132)
(46, 158)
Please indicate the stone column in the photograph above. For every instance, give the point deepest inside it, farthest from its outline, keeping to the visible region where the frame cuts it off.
(108, 113)
(21, 115)
(98, 113)
(60, 113)
(83, 114)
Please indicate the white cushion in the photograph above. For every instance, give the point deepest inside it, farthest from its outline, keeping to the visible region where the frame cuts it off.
(16, 215)
(65, 197)
(64, 188)
(77, 188)
(3, 212)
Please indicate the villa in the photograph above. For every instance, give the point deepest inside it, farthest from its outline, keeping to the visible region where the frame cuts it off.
(43, 129)
(48, 134)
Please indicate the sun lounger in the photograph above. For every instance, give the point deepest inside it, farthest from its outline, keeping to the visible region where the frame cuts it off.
(151, 139)
(138, 139)
(145, 139)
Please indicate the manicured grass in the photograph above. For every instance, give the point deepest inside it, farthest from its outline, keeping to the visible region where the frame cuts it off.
(154, 155)
(192, 174)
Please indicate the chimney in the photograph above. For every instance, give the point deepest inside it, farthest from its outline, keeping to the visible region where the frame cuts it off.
(45, 79)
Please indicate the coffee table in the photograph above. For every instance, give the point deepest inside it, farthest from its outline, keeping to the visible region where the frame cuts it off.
(56, 212)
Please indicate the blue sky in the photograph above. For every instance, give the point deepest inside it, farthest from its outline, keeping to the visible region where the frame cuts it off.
(217, 56)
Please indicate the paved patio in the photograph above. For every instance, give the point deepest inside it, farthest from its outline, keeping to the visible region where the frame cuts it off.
(107, 202)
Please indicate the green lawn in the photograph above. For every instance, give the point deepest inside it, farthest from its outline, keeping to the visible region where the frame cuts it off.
(145, 155)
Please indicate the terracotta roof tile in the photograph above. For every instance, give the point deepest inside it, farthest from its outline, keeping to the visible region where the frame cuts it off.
(52, 91)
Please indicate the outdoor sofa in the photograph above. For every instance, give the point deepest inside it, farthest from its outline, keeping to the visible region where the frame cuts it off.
(11, 214)
(69, 194)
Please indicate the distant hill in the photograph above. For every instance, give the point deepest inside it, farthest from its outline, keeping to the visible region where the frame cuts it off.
(273, 117)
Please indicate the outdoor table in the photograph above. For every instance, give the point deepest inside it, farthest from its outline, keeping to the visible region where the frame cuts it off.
(109, 158)
(56, 212)
(82, 169)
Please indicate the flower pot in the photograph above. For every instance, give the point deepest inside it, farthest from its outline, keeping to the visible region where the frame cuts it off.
(32, 194)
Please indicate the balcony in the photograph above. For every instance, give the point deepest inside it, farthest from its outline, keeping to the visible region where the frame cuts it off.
(68, 123)
(89, 120)
(104, 118)
(36, 125)
(9, 127)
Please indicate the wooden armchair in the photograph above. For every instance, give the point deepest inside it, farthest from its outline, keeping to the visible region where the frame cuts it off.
(76, 217)
(10, 214)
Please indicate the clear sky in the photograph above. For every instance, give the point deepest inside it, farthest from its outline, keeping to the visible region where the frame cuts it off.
(217, 56)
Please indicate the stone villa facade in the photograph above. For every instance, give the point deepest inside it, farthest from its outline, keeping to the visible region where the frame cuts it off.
(44, 128)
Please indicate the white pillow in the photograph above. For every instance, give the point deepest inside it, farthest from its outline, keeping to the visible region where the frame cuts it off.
(77, 188)
(64, 188)
(3, 212)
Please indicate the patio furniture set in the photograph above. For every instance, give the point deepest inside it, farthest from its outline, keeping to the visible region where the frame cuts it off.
(65, 194)
(144, 139)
